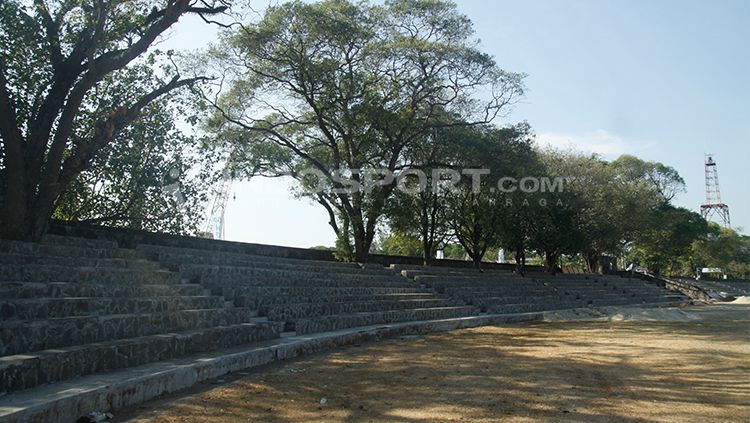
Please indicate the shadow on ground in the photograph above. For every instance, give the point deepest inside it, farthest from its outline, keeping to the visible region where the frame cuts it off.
(584, 371)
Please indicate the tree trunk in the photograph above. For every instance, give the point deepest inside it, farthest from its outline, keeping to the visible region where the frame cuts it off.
(15, 220)
(476, 260)
(362, 243)
(550, 261)
(21, 222)
(592, 261)
(426, 252)
(520, 259)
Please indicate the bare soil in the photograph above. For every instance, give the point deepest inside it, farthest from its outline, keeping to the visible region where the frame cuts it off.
(683, 370)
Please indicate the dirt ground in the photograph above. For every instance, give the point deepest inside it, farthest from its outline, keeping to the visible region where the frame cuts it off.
(683, 370)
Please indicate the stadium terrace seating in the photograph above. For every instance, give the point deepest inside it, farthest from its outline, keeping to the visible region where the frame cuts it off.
(72, 307)
(497, 291)
(76, 308)
(721, 289)
(307, 295)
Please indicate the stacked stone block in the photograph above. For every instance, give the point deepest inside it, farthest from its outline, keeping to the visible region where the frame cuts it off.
(70, 307)
(497, 291)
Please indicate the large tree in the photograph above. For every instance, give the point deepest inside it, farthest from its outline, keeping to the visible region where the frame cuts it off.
(477, 212)
(338, 85)
(667, 239)
(55, 54)
(416, 210)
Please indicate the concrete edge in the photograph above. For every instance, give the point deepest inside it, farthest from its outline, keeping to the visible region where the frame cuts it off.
(117, 390)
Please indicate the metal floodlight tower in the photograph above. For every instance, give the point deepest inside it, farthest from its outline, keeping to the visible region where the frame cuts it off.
(215, 222)
(713, 204)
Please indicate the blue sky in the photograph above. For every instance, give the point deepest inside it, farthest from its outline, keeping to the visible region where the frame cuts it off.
(664, 80)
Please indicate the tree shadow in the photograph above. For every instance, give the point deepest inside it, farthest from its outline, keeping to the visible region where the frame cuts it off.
(571, 371)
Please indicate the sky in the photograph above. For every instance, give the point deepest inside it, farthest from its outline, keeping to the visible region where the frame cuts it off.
(664, 80)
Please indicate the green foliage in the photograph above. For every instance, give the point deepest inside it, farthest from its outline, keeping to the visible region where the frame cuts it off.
(668, 238)
(661, 180)
(399, 244)
(478, 215)
(721, 248)
(148, 178)
(74, 75)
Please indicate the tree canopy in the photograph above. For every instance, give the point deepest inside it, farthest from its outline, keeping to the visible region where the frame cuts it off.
(337, 85)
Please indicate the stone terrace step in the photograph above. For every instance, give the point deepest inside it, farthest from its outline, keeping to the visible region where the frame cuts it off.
(490, 297)
(28, 259)
(328, 323)
(505, 285)
(70, 241)
(289, 312)
(496, 290)
(260, 302)
(22, 336)
(41, 308)
(211, 273)
(297, 267)
(471, 279)
(499, 301)
(154, 252)
(443, 269)
(492, 275)
(46, 250)
(246, 295)
(535, 306)
(175, 262)
(216, 283)
(10, 290)
(25, 371)
(64, 402)
(47, 273)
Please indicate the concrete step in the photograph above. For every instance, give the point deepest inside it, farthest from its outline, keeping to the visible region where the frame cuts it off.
(10, 290)
(48, 273)
(337, 322)
(289, 312)
(42, 308)
(23, 336)
(29, 259)
(18, 372)
(47, 250)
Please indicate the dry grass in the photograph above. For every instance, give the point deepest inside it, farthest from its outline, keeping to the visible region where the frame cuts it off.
(561, 371)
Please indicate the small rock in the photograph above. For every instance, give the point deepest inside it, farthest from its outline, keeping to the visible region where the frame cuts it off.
(323, 401)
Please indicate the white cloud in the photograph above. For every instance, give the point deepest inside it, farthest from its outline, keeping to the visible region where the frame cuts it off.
(599, 141)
